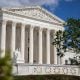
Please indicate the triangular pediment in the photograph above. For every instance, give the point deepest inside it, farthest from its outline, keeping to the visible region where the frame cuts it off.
(36, 13)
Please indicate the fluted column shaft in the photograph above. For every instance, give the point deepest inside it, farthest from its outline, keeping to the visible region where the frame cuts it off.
(40, 46)
(3, 38)
(48, 45)
(13, 38)
(31, 46)
(23, 42)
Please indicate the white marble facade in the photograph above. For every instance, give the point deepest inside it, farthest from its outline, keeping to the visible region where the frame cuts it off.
(29, 32)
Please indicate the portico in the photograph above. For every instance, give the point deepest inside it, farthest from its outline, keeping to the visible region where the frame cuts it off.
(32, 37)
(28, 32)
(38, 42)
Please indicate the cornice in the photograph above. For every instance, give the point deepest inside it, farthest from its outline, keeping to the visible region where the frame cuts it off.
(12, 12)
(34, 7)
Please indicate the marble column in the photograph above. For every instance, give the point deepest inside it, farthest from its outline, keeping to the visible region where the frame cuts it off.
(3, 38)
(48, 45)
(22, 42)
(13, 38)
(31, 46)
(40, 46)
(55, 50)
(55, 55)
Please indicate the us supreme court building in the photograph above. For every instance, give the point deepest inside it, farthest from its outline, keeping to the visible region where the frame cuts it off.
(28, 32)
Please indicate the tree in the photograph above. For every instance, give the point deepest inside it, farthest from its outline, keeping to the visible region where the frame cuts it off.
(72, 35)
(6, 67)
(69, 38)
(58, 41)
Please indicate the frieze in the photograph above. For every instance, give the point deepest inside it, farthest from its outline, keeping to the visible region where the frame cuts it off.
(48, 69)
(45, 69)
(37, 69)
(56, 70)
(36, 13)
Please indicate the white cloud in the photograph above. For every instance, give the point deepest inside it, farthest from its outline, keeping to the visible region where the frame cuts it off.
(41, 2)
(52, 4)
(27, 2)
(4, 3)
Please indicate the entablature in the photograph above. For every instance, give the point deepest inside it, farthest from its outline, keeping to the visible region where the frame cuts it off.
(36, 13)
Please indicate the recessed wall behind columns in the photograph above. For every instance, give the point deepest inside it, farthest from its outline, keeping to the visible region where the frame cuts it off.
(18, 36)
(51, 48)
(27, 39)
(8, 36)
(44, 47)
(36, 47)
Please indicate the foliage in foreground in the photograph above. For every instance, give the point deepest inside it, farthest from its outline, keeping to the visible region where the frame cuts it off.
(72, 34)
(69, 38)
(47, 77)
(6, 67)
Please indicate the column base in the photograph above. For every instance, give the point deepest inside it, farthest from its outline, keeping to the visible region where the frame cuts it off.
(20, 61)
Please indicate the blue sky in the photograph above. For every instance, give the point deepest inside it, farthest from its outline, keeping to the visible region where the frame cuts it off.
(66, 9)
(62, 8)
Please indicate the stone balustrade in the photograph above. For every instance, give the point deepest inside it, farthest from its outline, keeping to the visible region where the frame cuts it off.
(45, 69)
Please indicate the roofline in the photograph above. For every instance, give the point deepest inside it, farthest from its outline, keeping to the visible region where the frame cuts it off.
(38, 7)
(61, 20)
